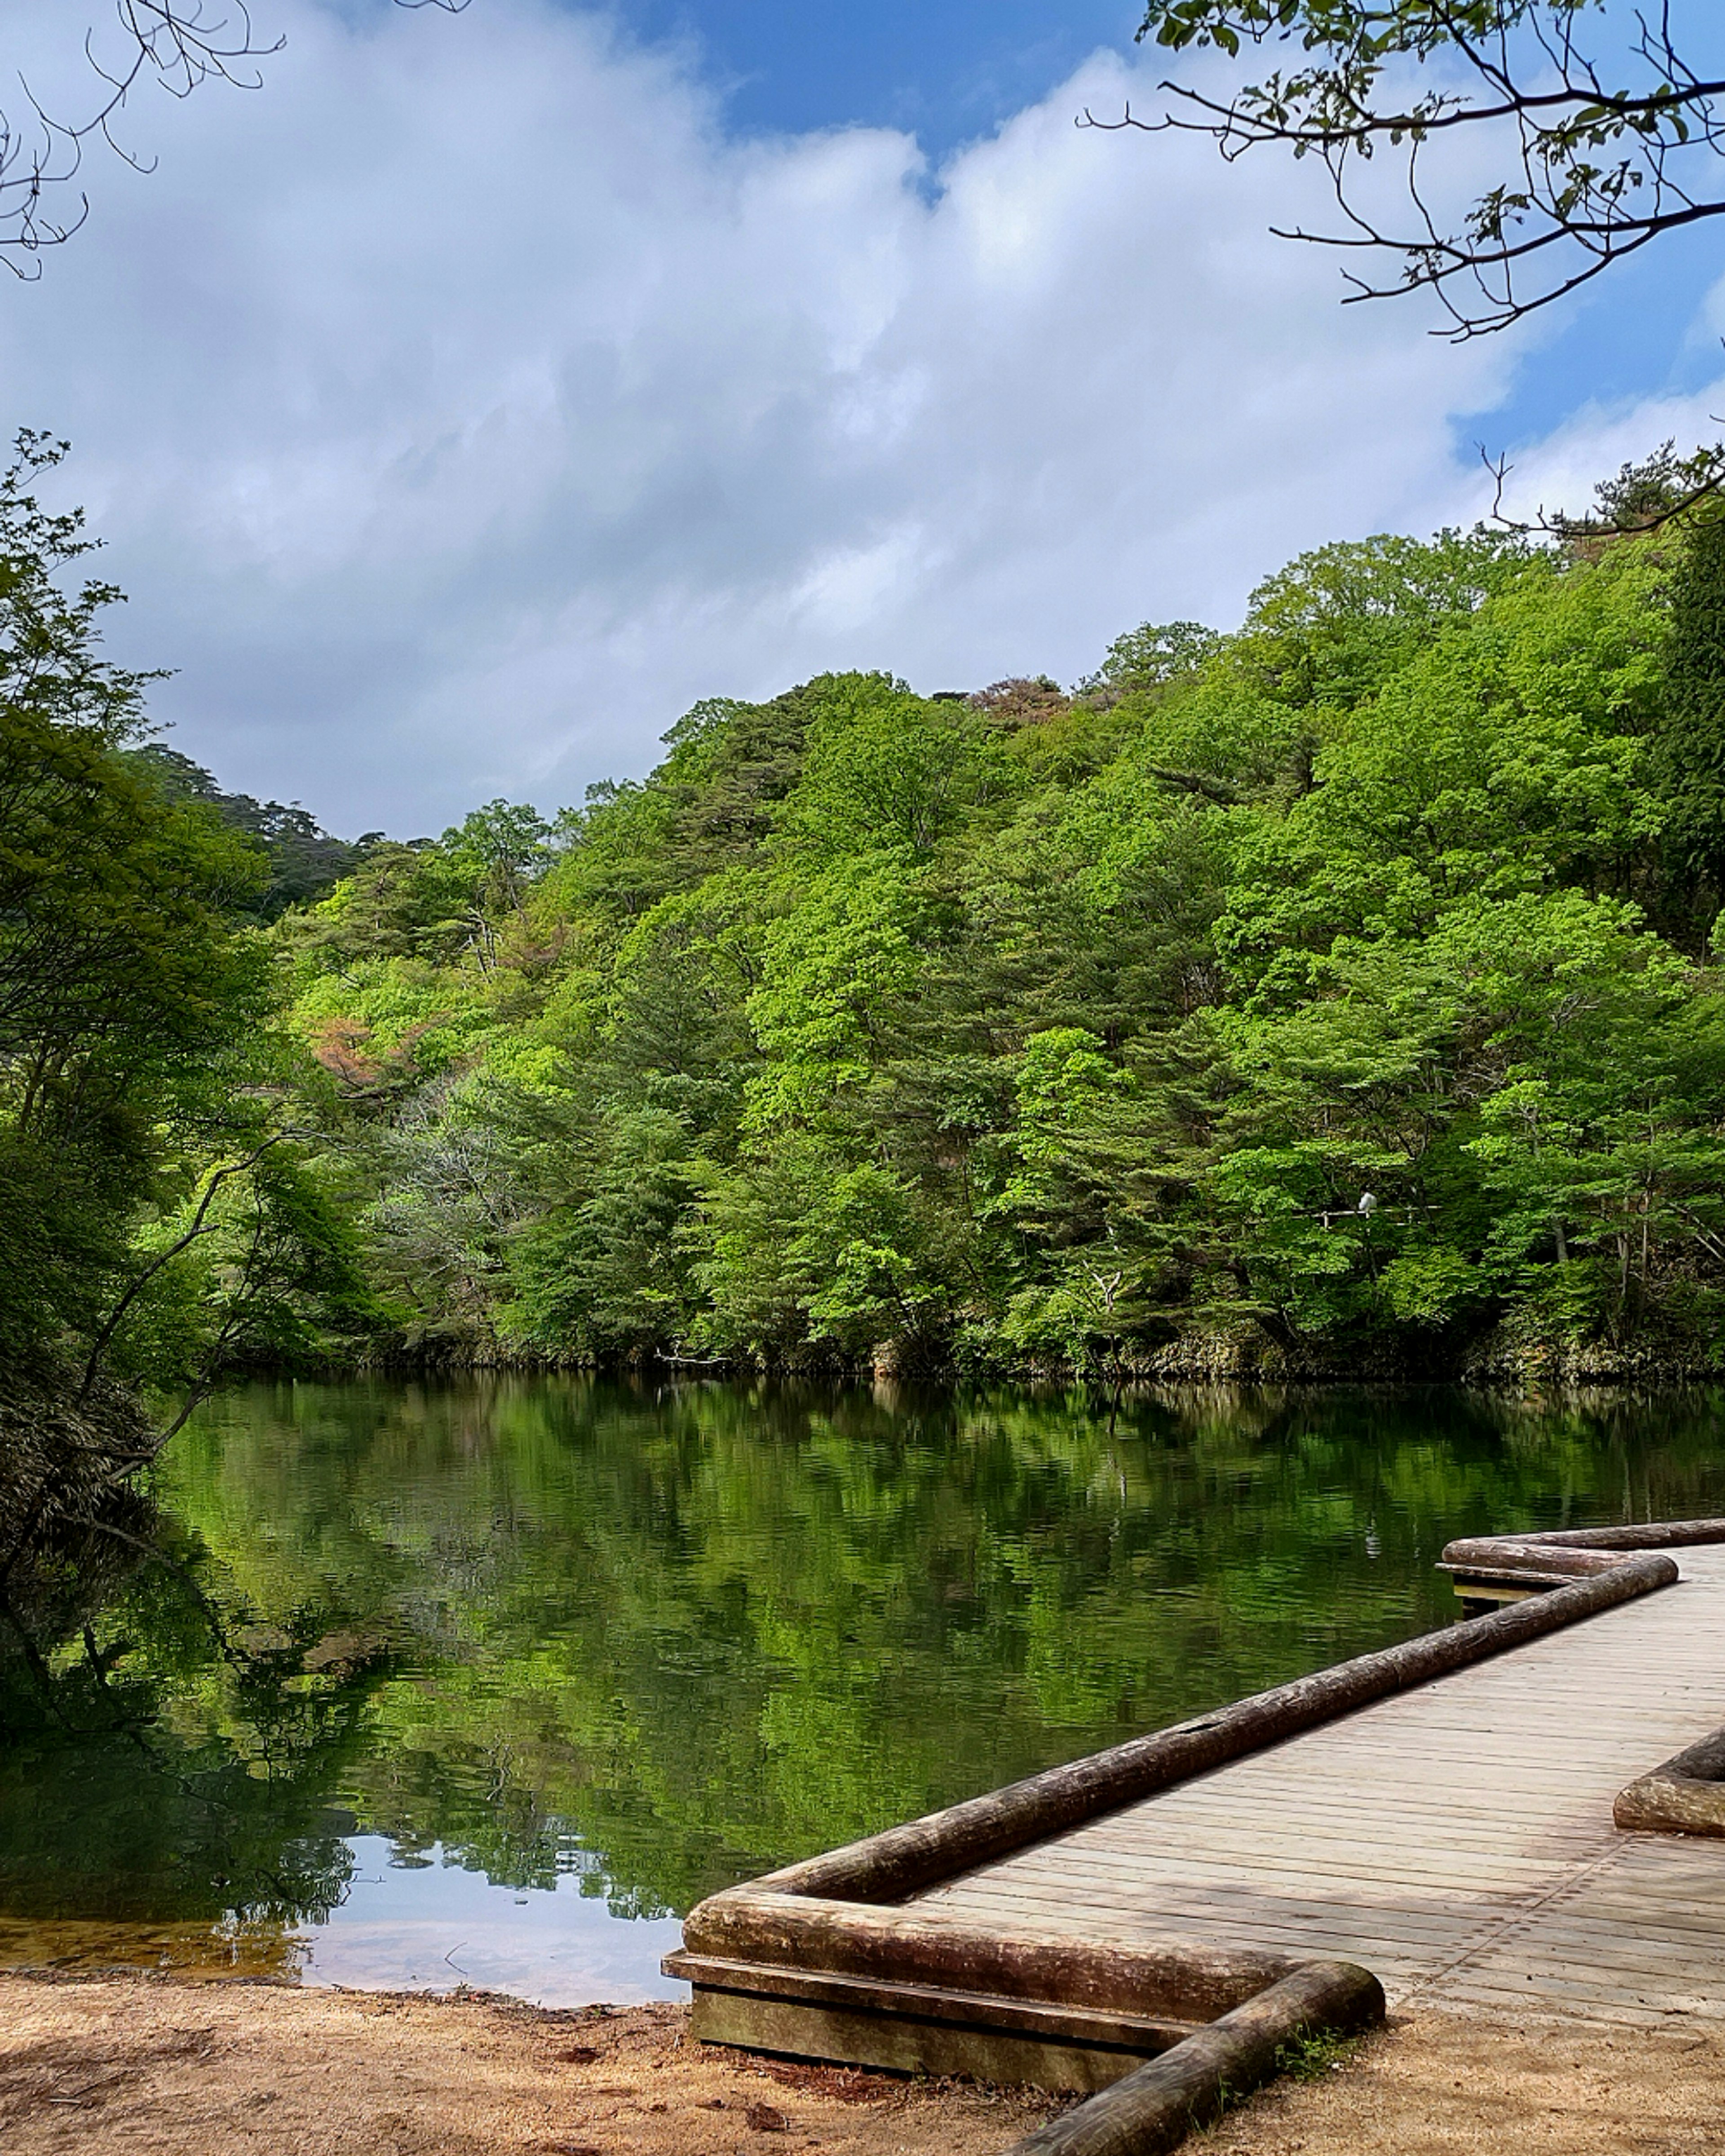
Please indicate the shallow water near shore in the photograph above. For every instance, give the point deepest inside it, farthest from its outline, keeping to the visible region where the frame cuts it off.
(486, 1683)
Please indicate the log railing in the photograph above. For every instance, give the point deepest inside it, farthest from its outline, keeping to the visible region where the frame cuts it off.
(832, 1957)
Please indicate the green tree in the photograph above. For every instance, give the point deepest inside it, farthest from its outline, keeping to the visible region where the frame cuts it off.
(155, 1227)
(1689, 760)
(1019, 1027)
(125, 980)
(306, 862)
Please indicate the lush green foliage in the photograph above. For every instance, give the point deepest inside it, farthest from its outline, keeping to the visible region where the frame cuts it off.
(1591, 132)
(151, 1218)
(1340, 986)
(305, 863)
(1341, 981)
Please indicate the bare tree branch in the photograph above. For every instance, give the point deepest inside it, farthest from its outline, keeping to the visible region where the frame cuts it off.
(1603, 152)
(1642, 497)
(178, 45)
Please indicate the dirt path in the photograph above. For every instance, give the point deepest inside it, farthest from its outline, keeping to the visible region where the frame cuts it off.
(124, 2066)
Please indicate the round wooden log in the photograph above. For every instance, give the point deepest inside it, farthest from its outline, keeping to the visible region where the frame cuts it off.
(1187, 1981)
(1686, 1795)
(842, 1913)
(905, 1860)
(1664, 1803)
(1651, 1534)
(1512, 1555)
(1154, 2109)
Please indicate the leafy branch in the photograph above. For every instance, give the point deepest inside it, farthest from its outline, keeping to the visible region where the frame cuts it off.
(1596, 168)
(200, 1226)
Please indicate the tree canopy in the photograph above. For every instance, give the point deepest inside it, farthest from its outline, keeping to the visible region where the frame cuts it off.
(1030, 1027)
(1338, 993)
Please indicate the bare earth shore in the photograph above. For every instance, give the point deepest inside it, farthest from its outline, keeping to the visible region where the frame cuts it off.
(151, 2068)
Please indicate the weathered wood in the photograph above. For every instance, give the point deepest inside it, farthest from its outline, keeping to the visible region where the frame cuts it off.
(1686, 1795)
(1154, 2109)
(901, 2043)
(1528, 1557)
(1192, 1983)
(1480, 1600)
(1651, 1534)
(1516, 1763)
(1455, 1832)
(1144, 2035)
(918, 2028)
(890, 1867)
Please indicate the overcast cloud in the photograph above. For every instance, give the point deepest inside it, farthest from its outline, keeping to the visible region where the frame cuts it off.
(466, 404)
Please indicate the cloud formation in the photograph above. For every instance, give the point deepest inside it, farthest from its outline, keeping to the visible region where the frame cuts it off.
(466, 403)
(1560, 474)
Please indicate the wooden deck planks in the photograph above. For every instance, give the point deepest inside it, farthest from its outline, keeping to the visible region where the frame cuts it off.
(1456, 1839)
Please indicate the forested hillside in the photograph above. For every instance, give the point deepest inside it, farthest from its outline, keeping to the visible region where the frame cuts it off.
(1336, 994)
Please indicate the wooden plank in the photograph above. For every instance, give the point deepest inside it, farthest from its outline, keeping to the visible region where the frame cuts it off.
(1438, 1827)
(1606, 2013)
(1331, 1837)
(1451, 1832)
(1451, 1758)
(1245, 1896)
(1524, 1984)
(1141, 1868)
(1457, 1838)
(1216, 1858)
(1369, 1804)
(1256, 1925)
(901, 2043)
(1247, 1886)
(1608, 1947)
(1266, 1933)
(1310, 1853)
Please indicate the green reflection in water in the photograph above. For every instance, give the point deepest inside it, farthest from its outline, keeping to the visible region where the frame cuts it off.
(666, 1638)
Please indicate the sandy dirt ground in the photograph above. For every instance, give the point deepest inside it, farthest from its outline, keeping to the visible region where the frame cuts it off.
(127, 2065)
(1440, 2085)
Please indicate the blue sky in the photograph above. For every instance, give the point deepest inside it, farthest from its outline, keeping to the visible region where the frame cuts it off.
(488, 387)
(1633, 333)
(944, 70)
(949, 70)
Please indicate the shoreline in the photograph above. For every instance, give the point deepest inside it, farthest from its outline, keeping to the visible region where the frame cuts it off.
(153, 2066)
(128, 2064)
(1535, 1377)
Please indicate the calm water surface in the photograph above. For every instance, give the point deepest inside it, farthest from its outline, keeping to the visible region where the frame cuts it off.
(488, 1683)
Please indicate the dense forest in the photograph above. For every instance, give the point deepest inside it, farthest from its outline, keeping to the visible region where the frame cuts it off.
(1334, 994)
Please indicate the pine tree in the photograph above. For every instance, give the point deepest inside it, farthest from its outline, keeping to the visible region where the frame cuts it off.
(1691, 763)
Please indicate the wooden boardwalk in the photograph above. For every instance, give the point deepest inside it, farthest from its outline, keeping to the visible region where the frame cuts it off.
(1456, 1839)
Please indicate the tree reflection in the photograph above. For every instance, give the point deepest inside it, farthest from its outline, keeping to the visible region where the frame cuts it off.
(165, 1762)
(661, 1638)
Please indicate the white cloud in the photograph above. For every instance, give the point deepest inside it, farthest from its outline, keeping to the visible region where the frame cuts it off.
(1560, 472)
(465, 404)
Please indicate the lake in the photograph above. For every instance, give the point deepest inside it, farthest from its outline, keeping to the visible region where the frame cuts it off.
(487, 1682)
